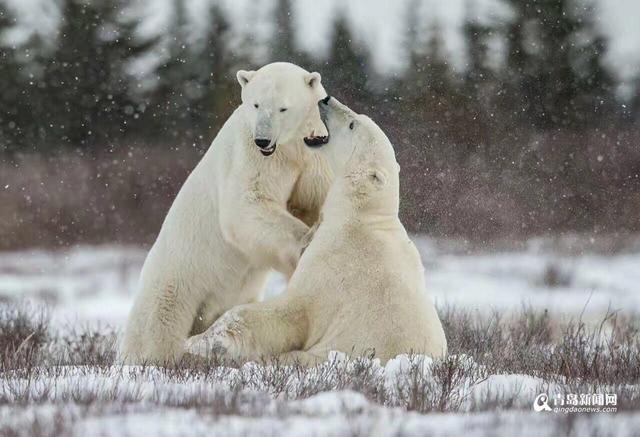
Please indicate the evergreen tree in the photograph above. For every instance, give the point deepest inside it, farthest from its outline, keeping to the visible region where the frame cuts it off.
(283, 45)
(481, 86)
(429, 86)
(196, 84)
(349, 63)
(11, 85)
(171, 108)
(558, 80)
(512, 101)
(633, 112)
(213, 86)
(428, 74)
(20, 89)
(85, 90)
(594, 83)
(432, 65)
(478, 73)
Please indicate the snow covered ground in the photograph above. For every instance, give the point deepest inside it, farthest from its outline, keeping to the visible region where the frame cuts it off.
(94, 286)
(114, 401)
(97, 284)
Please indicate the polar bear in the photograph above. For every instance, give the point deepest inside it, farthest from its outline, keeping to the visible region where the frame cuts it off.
(243, 210)
(359, 286)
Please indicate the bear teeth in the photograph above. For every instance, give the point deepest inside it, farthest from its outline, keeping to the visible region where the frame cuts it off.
(269, 151)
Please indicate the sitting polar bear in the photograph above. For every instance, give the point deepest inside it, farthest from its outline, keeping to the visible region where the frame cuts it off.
(359, 286)
(233, 220)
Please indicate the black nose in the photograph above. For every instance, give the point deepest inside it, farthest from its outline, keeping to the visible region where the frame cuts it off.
(262, 143)
(323, 106)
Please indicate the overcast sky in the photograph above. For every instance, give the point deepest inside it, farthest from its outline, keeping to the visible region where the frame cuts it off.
(377, 23)
(380, 23)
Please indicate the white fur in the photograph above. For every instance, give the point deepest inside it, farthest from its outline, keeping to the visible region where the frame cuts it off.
(359, 286)
(238, 215)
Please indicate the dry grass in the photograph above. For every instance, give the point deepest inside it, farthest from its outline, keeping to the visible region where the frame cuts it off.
(67, 198)
(533, 343)
(566, 182)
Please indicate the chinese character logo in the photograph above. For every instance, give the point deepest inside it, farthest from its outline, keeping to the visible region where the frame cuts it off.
(541, 403)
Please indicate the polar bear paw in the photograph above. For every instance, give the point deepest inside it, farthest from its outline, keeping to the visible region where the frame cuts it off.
(207, 346)
(220, 340)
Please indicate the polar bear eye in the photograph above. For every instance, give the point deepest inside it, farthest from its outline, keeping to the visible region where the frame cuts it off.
(352, 124)
(255, 105)
(283, 109)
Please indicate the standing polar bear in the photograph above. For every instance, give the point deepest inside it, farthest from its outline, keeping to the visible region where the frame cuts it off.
(359, 286)
(239, 214)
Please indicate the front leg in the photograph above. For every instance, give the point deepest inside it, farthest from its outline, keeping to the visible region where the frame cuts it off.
(264, 231)
(254, 331)
(306, 240)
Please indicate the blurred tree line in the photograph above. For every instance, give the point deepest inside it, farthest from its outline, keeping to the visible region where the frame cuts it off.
(534, 141)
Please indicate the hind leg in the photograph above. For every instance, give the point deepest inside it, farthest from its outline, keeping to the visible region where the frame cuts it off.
(249, 290)
(171, 313)
(130, 350)
(254, 331)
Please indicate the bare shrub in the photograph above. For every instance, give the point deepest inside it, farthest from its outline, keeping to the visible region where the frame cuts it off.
(590, 354)
(554, 276)
(556, 182)
(443, 386)
(73, 371)
(67, 198)
(24, 330)
(609, 352)
(89, 347)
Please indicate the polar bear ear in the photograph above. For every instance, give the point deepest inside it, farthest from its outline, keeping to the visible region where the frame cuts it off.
(244, 77)
(377, 177)
(313, 79)
(367, 180)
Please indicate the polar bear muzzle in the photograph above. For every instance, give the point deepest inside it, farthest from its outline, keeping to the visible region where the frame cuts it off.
(318, 141)
(266, 146)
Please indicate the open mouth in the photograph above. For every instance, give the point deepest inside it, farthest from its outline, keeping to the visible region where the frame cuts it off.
(268, 151)
(316, 141)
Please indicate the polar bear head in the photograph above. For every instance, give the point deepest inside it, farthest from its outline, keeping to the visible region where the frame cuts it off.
(280, 100)
(362, 158)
